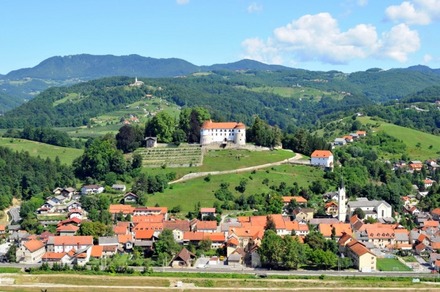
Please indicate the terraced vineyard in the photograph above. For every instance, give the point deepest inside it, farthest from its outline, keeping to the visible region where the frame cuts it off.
(171, 157)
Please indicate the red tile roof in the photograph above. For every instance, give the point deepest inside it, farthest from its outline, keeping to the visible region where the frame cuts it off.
(206, 225)
(208, 125)
(207, 210)
(34, 245)
(71, 240)
(118, 208)
(298, 199)
(143, 234)
(326, 229)
(321, 154)
(96, 251)
(53, 255)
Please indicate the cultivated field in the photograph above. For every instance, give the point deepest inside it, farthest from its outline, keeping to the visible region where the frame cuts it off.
(66, 155)
(171, 156)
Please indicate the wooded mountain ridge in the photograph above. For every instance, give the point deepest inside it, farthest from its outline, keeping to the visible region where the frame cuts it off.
(21, 85)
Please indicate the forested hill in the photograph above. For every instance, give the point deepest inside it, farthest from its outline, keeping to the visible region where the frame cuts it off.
(233, 96)
(376, 84)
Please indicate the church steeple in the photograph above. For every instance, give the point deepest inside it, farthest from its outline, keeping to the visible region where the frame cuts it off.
(342, 201)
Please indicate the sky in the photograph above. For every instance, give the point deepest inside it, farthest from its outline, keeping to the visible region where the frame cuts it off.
(344, 35)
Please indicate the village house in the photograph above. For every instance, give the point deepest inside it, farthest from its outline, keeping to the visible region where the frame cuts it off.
(339, 142)
(30, 251)
(91, 189)
(119, 187)
(334, 230)
(130, 198)
(183, 259)
(67, 243)
(363, 259)
(223, 132)
(207, 212)
(322, 158)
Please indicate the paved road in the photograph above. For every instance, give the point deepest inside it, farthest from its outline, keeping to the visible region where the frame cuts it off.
(293, 160)
(14, 214)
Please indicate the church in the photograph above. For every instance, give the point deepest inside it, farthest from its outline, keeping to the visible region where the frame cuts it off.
(222, 132)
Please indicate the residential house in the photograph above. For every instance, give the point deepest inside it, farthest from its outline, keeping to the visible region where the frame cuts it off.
(125, 210)
(206, 226)
(183, 259)
(348, 138)
(298, 199)
(207, 212)
(67, 243)
(415, 165)
(427, 183)
(361, 133)
(303, 214)
(363, 259)
(56, 257)
(130, 198)
(339, 142)
(322, 158)
(91, 189)
(331, 208)
(334, 230)
(30, 252)
(67, 230)
(435, 213)
(119, 187)
(178, 227)
(109, 244)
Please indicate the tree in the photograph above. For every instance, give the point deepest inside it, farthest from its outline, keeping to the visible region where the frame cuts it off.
(270, 224)
(129, 138)
(294, 254)
(242, 186)
(271, 250)
(161, 126)
(95, 229)
(359, 212)
(190, 122)
(166, 246)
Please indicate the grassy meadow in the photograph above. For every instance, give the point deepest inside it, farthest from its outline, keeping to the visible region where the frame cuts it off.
(219, 160)
(66, 155)
(420, 145)
(187, 194)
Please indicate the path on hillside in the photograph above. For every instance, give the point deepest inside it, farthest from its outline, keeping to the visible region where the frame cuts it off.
(294, 160)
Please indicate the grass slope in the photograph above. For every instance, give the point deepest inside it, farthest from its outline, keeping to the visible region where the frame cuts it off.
(188, 193)
(299, 92)
(66, 155)
(419, 145)
(219, 160)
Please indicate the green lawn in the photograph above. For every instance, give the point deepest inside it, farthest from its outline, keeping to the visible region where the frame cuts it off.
(420, 145)
(219, 160)
(391, 265)
(188, 193)
(66, 155)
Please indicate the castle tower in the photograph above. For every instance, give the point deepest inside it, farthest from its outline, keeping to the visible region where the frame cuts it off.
(342, 203)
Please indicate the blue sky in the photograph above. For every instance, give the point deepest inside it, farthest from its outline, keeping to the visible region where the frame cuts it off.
(345, 35)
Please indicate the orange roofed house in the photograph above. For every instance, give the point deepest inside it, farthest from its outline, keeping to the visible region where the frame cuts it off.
(212, 132)
(322, 158)
(30, 251)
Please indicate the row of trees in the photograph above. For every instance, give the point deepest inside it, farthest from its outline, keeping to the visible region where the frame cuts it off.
(44, 135)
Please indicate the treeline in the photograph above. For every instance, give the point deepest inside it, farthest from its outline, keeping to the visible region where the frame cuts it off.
(44, 135)
(24, 176)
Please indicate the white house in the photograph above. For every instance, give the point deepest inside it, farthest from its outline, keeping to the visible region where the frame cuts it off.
(30, 251)
(322, 158)
(212, 132)
(67, 243)
(91, 189)
(375, 209)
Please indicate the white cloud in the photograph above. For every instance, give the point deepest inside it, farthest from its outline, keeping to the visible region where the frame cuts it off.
(427, 58)
(420, 12)
(399, 42)
(254, 7)
(182, 2)
(362, 2)
(319, 38)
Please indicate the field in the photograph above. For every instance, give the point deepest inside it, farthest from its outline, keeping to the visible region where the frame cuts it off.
(171, 156)
(420, 145)
(187, 194)
(66, 155)
(391, 265)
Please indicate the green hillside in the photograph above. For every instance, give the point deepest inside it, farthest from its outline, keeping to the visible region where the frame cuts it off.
(420, 145)
(66, 155)
(188, 193)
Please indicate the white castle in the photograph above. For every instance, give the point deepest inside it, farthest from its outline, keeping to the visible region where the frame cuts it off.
(224, 132)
